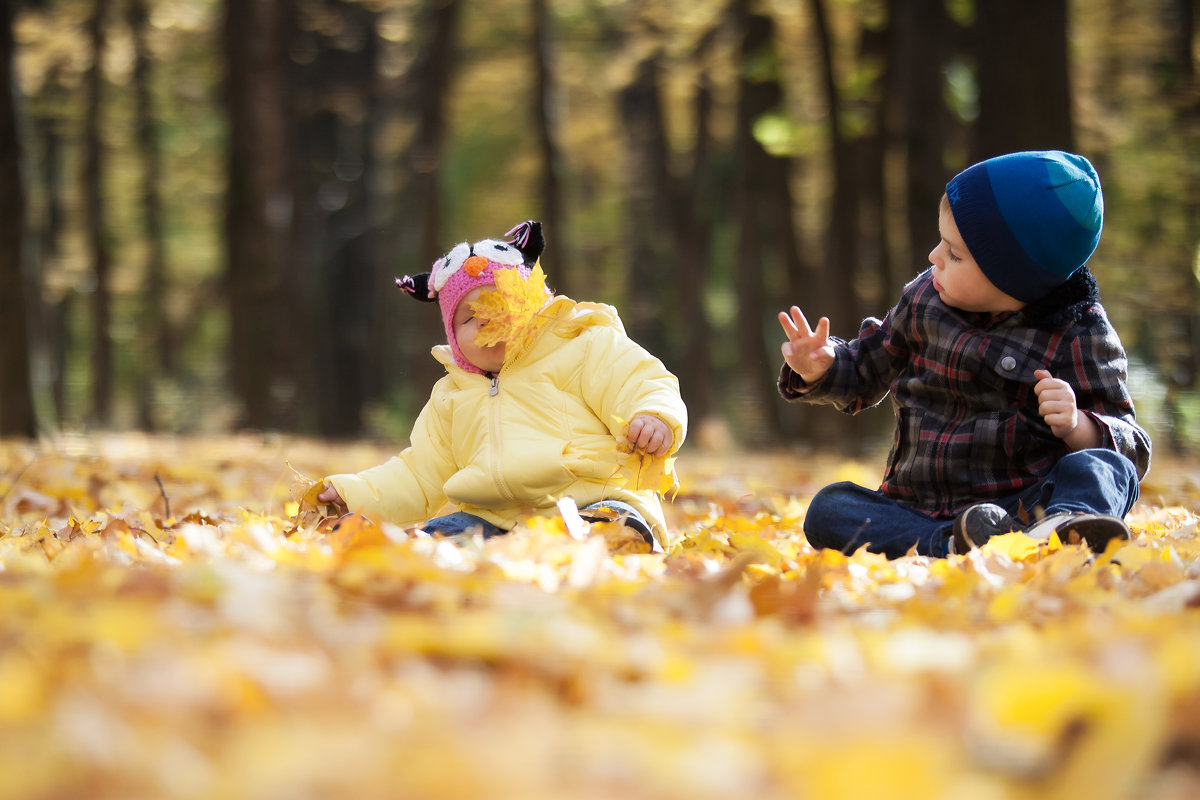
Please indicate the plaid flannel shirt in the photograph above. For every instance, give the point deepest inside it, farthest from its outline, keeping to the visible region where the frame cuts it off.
(961, 383)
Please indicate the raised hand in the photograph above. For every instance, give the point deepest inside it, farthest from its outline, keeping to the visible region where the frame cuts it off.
(808, 352)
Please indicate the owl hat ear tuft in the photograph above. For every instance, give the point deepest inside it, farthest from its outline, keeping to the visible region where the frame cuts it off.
(528, 239)
(417, 287)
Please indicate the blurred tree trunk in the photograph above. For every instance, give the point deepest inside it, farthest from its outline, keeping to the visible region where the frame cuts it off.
(842, 254)
(406, 329)
(1183, 94)
(99, 252)
(868, 154)
(155, 336)
(668, 232)
(651, 214)
(54, 307)
(756, 413)
(546, 112)
(695, 376)
(259, 203)
(920, 121)
(1023, 75)
(16, 391)
(335, 291)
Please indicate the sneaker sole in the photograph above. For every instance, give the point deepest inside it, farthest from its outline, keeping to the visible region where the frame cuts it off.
(1095, 530)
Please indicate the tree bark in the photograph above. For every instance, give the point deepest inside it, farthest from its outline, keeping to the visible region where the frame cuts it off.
(17, 416)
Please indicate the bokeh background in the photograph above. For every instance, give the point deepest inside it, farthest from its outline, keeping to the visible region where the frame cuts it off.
(203, 202)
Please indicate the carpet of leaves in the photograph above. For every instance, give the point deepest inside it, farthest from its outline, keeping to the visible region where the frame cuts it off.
(170, 629)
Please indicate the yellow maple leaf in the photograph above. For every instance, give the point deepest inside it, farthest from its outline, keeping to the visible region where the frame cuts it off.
(508, 313)
(1016, 546)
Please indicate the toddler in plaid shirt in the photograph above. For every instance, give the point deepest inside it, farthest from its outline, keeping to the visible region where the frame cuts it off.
(1006, 378)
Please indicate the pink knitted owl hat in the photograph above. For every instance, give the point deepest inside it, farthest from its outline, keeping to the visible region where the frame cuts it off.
(469, 266)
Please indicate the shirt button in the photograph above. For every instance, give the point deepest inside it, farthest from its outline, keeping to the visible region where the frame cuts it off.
(1008, 363)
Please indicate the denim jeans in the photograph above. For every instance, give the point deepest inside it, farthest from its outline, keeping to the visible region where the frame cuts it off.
(460, 522)
(845, 516)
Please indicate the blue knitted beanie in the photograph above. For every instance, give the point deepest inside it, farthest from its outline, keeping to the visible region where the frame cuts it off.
(1029, 219)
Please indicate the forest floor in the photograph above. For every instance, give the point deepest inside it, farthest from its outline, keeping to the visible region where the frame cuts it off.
(171, 628)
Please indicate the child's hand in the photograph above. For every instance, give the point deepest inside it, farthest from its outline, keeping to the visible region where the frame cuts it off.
(330, 495)
(1057, 405)
(649, 434)
(807, 352)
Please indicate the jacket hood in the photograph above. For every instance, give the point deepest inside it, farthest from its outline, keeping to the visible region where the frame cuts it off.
(1067, 304)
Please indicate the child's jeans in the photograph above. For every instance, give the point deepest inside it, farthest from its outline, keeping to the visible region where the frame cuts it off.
(461, 522)
(845, 516)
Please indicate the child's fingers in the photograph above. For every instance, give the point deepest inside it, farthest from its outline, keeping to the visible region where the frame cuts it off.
(822, 331)
(659, 444)
(330, 495)
(795, 324)
(789, 327)
(651, 442)
(636, 432)
(649, 434)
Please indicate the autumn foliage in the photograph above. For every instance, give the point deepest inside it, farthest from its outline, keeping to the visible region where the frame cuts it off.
(174, 624)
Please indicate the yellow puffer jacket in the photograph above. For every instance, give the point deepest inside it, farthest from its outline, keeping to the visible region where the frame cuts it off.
(549, 425)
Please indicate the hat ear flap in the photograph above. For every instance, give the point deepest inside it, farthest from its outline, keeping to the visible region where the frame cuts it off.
(417, 287)
(529, 241)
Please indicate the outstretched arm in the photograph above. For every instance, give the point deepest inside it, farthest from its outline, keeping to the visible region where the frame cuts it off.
(808, 352)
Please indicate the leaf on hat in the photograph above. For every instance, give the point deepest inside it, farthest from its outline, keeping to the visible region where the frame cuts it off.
(509, 313)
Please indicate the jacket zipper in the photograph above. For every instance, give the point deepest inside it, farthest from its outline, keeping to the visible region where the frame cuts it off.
(494, 430)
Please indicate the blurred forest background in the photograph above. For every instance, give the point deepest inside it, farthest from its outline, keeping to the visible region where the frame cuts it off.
(203, 202)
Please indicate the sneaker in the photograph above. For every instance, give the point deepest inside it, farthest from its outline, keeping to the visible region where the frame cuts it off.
(1094, 530)
(626, 516)
(978, 523)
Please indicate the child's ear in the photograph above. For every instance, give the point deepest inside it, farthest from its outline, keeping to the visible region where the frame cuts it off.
(529, 241)
(417, 287)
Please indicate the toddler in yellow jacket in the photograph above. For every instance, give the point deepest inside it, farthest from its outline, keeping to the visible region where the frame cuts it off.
(543, 398)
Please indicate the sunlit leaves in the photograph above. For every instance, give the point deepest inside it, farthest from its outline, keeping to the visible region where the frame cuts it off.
(230, 651)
